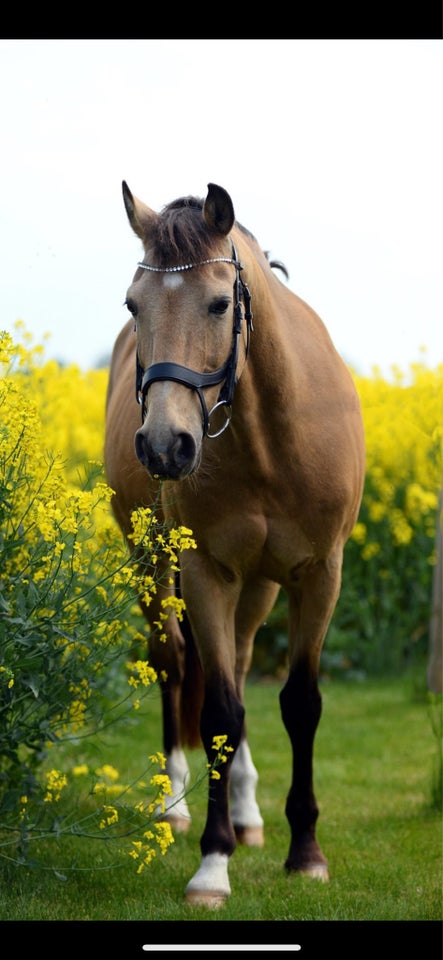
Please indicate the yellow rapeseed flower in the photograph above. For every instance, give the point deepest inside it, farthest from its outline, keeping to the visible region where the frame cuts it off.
(56, 782)
(80, 770)
(110, 817)
(107, 771)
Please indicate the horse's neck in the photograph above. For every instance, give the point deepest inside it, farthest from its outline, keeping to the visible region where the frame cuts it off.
(270, 372)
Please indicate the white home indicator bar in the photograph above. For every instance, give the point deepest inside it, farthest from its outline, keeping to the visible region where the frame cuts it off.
(278, 947)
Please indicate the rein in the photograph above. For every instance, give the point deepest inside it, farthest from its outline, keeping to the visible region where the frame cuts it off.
(192, 378)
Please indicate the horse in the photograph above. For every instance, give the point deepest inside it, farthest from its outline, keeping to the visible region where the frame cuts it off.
(229, 407)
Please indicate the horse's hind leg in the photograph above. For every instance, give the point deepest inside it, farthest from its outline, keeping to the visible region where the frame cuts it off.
(245, 813)
(257, 599)
(168, 660)
(176, 807)
(301, 708)
(310, 609)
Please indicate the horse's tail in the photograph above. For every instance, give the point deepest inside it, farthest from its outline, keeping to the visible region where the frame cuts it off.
(192, 690)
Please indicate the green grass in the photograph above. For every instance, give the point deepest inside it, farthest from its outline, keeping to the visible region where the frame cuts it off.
(375, 753)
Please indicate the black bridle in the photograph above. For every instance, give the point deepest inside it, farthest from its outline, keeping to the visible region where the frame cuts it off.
(191, 378)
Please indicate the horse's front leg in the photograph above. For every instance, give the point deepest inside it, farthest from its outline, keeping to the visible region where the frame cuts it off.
(210, 605)
(310, 609)
(222, 716)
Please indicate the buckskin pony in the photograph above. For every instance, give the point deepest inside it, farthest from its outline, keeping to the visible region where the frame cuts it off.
(229, 407)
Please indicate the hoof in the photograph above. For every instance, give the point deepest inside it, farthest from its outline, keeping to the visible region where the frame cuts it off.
(306, 857)
(203, 898)
(250, 836)
(319, 871)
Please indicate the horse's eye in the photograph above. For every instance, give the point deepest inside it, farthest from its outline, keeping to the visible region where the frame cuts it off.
(220, 306)
(131, 307)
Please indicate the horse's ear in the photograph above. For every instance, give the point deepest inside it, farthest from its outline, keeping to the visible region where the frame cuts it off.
(218, 210)
(139, 215)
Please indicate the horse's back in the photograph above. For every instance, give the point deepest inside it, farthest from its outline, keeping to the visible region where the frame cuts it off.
(324, 424)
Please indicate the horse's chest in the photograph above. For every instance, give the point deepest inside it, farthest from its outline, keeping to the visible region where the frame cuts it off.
(249, 543)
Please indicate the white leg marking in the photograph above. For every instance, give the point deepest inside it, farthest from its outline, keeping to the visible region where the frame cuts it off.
(178, 772)
(211, 879)
(244, 778)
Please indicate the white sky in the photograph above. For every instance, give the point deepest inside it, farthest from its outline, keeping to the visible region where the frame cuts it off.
(332, 151)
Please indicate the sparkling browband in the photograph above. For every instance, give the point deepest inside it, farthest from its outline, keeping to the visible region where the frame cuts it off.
(189, 266)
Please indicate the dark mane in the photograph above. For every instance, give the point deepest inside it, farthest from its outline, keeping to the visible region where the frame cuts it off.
(180, 234)
(277, 265)
(245, 230)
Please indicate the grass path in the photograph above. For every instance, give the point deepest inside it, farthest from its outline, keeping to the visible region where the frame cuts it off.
(374, 754)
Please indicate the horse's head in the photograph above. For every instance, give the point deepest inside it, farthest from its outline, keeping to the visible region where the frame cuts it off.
(187, 301)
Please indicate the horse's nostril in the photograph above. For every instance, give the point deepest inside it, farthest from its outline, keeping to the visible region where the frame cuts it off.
(141, 448)
(183, 450)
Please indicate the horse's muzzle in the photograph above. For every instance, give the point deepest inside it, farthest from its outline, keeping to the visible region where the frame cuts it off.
(172, 461)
